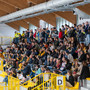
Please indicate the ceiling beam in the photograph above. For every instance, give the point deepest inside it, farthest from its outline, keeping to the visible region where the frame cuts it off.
(22, 23)
(49, 18)
(72, 18)
(19, 23)
(34, 21)
(85, 8)
(17, 3)
(6, 7)
(2, 13)
(13, 26)
(36, 1)
(68, 15)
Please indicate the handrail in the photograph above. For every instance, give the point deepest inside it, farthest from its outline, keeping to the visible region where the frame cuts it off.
(39, 75)
(1, 66)
(52, 76)
(31, 79)
(5, 37)
(44, 82)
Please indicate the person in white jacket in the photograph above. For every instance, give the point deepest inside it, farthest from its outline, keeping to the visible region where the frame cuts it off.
(69, 57)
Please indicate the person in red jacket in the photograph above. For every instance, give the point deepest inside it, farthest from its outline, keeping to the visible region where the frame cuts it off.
(35, 33)
(60, 34)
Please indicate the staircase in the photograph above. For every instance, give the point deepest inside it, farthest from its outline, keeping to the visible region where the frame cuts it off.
(45, 81)
(1, 78)
(86, 85)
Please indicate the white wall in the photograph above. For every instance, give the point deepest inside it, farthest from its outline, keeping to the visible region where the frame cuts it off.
(6, 30)
(82, 21)
(22, 29)
(61, 21)
(32, 27)
(44, 24)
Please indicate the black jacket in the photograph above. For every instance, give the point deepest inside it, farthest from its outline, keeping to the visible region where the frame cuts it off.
(82, 36)
(71, 80)
(27, 69)
(68, 66)
(82, 58)
(85, 73)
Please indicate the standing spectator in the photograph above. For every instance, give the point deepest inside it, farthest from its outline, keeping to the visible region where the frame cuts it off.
(85, 73)
(86, 27)
(60, 34)
(35, 33)
(82, 36)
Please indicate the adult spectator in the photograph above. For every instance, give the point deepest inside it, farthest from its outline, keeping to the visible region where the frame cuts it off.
(70, 79)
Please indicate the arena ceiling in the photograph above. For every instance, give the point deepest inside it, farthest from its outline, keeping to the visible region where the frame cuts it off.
(9, 6)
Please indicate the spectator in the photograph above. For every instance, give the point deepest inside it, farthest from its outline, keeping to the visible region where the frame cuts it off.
(85, 73)
(70, 80)
(60, 34)
(27, 53)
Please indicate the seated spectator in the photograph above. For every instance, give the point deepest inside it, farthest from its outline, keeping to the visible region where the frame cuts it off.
(63, 64)
(19, 75)
(39, 70)
(69, 57)
(32, 74)
(76, 69)
(27, 52)
(70, 79)
(47, 74)
(82, 56)
(26, 70)
(67, 67)
(85, 73)
(13, 72)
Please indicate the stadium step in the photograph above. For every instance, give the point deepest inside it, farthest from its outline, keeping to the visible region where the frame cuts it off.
(88, 85)
(1, 78)
(85, 88)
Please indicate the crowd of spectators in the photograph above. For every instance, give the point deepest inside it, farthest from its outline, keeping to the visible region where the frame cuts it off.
(65, 52)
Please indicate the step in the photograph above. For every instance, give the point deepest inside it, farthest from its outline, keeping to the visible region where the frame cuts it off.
(88, 82)
(88, 85)
(1, 79)
(84, 88)
(0, 72)
(23, 88)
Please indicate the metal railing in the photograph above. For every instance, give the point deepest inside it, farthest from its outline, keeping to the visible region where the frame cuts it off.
(5, 40)
(1, 65)
(13, 84)
(45, 81)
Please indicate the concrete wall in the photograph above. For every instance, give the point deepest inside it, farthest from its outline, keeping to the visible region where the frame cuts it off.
(22, 29)
(80, 21)
(6, 31)
(44, 24)
(61, 21)
(84, 20)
